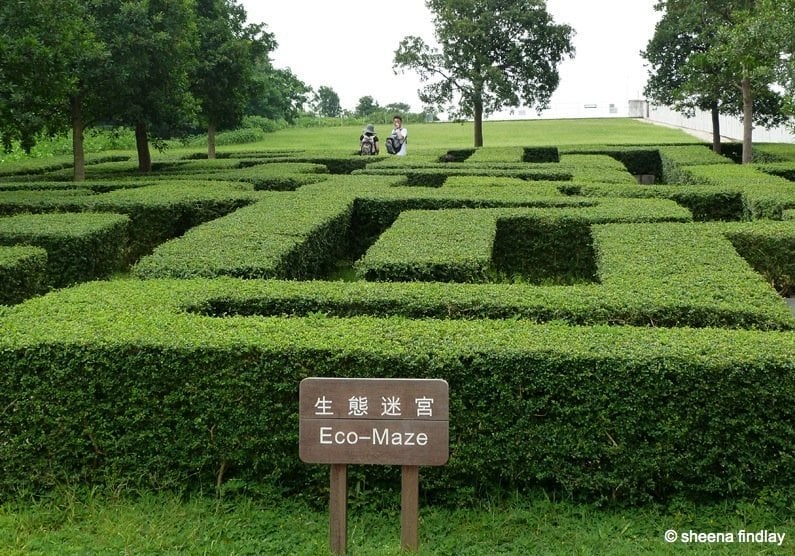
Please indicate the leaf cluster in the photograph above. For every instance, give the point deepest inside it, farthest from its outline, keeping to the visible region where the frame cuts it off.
(22, 272)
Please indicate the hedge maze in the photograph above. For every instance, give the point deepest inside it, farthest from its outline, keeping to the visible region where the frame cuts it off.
(600, 337)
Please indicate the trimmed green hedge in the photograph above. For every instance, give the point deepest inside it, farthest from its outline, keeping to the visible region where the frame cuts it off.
(710, 194)
(117, 382)
(595, 168)
(162, 169)
(375, 211)
(441, 245)
(285, 235)
(637, 160)
(762, 153)
(298, 236)
(457, 155)
(775, 152)
(669, 373)
(157, 212)
(496, 154)
(769, 247)
(694, 278)
(784, 170)
(705, 202)
(34, 169)
(80, 246)
(676, 156)
(168, 210)
(268, 241)
(282, 177)
(269, 176)
(95, 186)
(765, 196)
(662, 262)
(336, 165)
(43, 200)
(481, 245)
(541, 154)
(22, 273)
(432, 173)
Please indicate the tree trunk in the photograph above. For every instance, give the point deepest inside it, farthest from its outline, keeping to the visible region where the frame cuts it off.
(716, 146)
(748, 119)
(478, 123)
(211, 141)
(78, 151)
(142, 144)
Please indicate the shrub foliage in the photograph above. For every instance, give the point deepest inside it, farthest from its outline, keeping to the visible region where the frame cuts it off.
(602, 337)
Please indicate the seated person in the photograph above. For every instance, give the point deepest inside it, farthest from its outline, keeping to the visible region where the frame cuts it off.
(368, 141)
(396, 142)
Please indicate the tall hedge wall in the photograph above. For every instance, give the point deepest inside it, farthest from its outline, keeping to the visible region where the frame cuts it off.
(664, 368)
(116, 381)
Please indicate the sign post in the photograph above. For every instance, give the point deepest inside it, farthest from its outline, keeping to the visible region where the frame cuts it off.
(409, 507)
(394, 421)
(338, 508)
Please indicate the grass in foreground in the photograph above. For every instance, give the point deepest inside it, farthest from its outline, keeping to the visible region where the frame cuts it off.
(71, 522)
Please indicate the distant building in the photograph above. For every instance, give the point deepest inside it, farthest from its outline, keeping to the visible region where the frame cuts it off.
(561, 110)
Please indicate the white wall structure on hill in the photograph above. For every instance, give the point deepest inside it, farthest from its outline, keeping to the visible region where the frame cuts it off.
(730, 128)
(700, 124)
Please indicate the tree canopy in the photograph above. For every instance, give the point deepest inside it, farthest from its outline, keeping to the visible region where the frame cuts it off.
(153, 47)
(327, 102)
(491, 54)
(280, 94)
(726, 56)
(158, 67)
(225, 73)
(47, 66)
(366, 106)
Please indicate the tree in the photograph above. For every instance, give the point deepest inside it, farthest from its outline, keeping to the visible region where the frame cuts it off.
(750, 52)
(683, 30)
(723, 56)
(224, 77)
(429, 114)
(152, 48)
(366, 106)
(48, 66)
(397, 108)
(327, 102)
(279, 93)
(492, 53)
(788, 79)
(787, 71)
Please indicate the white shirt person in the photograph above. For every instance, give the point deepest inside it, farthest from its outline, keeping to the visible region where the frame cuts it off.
(399, 134)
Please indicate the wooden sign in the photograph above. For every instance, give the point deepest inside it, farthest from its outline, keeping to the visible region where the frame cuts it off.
(373, 421)
(389, 421)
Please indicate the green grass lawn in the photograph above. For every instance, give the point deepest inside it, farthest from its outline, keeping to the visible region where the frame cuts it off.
(70, 522)
(524, 133)
(344, 139)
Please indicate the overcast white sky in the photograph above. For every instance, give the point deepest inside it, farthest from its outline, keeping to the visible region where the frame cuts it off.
(349, 46)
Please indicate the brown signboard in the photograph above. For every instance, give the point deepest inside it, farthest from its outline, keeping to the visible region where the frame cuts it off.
(373, 421)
